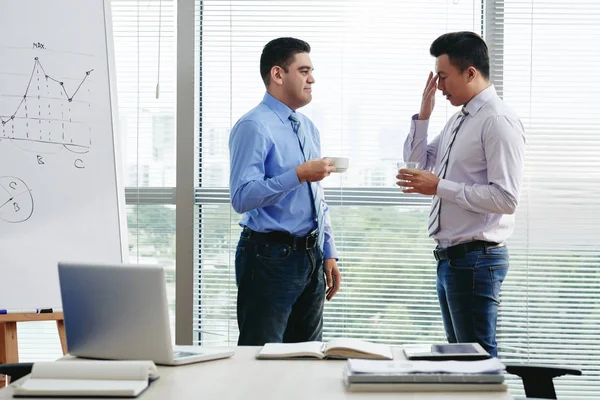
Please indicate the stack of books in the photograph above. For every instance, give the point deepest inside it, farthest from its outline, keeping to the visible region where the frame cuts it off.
(424, 376)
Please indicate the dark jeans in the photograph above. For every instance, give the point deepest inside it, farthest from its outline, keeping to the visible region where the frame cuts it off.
(469, 293)
(281, 292)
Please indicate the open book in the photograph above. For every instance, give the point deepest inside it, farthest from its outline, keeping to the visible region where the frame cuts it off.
(338, 348)
(88, 378)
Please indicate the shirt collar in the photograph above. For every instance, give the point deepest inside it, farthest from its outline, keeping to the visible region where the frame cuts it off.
(478, 101)
(280, 109)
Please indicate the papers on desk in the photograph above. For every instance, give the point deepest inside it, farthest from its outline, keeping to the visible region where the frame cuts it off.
(79, 378)
(368, 375)
(489, 366)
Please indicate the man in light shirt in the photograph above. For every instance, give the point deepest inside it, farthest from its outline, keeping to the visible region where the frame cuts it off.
(477, 164)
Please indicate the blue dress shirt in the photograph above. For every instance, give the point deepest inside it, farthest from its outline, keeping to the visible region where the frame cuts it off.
(264, 153)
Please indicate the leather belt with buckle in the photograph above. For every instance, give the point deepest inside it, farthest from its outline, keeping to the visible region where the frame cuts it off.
(296, 242)
(461, 250)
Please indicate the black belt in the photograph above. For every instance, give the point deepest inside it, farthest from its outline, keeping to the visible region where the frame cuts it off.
(461, 250)
(296, 242)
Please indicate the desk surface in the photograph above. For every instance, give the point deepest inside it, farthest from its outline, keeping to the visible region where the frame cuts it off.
(244, 377)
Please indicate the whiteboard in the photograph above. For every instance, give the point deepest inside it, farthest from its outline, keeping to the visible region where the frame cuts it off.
(60, 194)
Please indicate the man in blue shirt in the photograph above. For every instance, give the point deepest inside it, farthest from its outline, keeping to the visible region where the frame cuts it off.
(276, 169)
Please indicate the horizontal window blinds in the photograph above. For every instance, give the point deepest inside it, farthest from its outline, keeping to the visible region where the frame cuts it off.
(371, 63)
(550, 314)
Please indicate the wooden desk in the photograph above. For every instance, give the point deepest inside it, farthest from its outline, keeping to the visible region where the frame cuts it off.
(244, 377)
(9, 345)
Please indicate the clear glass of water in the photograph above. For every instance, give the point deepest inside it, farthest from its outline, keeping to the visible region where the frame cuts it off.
(406, 165)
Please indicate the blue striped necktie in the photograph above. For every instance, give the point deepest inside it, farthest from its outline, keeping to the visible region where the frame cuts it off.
(315, 187)
(436, 203)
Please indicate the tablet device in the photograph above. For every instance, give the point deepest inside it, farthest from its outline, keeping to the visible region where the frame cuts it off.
(446, 351)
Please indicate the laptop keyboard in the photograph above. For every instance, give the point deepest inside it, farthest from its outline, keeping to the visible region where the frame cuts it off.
(180, 354)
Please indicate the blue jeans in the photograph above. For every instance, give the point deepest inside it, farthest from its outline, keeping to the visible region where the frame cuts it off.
(469, 293)
(281, 292)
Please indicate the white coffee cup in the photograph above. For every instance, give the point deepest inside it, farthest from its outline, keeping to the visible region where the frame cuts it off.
(340, 163)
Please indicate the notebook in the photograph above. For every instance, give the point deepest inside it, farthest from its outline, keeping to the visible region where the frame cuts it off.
(426, 387)
(337, 348)
(83, 378)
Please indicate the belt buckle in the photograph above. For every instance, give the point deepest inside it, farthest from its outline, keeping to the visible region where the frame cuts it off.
(436, 255)
(311, 239)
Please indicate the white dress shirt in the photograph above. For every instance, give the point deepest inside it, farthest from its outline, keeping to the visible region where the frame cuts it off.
(480, 192)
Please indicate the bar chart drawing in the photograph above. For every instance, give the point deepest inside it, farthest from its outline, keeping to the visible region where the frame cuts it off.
(16, 200)
(51, 112)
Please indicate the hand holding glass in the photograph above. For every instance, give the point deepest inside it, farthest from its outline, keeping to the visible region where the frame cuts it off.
(406, 165)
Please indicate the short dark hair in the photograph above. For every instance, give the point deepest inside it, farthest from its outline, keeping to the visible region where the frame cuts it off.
(280, 52)
(464, 49)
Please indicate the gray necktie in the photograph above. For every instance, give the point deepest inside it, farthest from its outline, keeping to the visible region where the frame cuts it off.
(436, 203)
(315, 187)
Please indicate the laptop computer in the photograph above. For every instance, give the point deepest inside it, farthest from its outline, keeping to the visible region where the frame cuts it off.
(120, 312)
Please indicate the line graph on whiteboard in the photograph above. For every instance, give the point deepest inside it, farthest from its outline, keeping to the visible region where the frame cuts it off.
(46, 112)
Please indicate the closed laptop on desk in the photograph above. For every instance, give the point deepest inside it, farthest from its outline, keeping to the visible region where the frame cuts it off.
(120, 312)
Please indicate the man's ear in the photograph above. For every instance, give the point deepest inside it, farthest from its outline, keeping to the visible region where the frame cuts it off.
(277, 75)
(471, 73)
